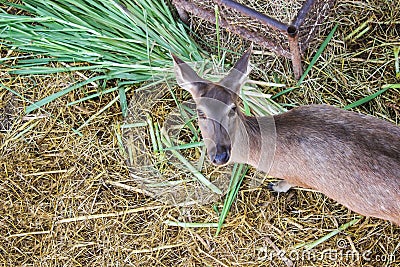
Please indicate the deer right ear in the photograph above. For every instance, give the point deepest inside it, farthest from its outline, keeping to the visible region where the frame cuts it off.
(237, 76)
(186, 77)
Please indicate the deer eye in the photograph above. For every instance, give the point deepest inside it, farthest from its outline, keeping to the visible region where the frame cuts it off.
(232, 111)
(201, 114)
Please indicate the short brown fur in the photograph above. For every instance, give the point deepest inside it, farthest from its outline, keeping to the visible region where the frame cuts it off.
(352, 158)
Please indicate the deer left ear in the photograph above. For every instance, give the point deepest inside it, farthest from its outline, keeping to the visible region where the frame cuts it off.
(186, 77)
(238, 74)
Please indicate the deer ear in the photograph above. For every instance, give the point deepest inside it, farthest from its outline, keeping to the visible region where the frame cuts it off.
(186, 77)
(238, 74)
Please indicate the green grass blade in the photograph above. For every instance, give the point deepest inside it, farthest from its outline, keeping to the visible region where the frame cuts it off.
(54, 96)
(93, 96)
(216, 12)
(152, 133)
(369, 98)
(321, 240)
(396, 51)
(123, 102)
(312, 63)
(28, 101)
(186, 146)
(238, 173)
(167, 142)
(318, 54)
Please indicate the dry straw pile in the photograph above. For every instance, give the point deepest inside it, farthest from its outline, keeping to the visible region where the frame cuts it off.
(69, 198)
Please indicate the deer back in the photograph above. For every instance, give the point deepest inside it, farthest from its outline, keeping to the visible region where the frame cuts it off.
(350, 157)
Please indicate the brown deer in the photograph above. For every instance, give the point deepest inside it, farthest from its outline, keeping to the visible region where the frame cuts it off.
(352, 158)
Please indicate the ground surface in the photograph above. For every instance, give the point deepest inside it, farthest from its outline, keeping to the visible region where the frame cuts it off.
(59, 206)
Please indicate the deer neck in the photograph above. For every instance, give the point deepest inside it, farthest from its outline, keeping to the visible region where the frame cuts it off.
(254, 142)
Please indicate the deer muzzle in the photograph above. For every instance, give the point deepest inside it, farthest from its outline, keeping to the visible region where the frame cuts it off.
(221, 156)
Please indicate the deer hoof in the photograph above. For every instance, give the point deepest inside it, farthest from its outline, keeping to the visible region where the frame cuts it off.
(280, 187)
(271, 186)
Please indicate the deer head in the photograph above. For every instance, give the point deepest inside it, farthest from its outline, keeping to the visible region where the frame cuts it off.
(216, 104)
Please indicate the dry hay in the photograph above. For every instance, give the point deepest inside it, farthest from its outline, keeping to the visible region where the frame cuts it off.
(63, 203)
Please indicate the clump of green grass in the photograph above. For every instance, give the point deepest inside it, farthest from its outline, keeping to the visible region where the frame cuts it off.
(124, 41)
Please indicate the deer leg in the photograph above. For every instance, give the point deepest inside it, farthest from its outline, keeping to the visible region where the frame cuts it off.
(280, 187)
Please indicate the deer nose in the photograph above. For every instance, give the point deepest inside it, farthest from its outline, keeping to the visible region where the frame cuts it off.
(221, 158)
